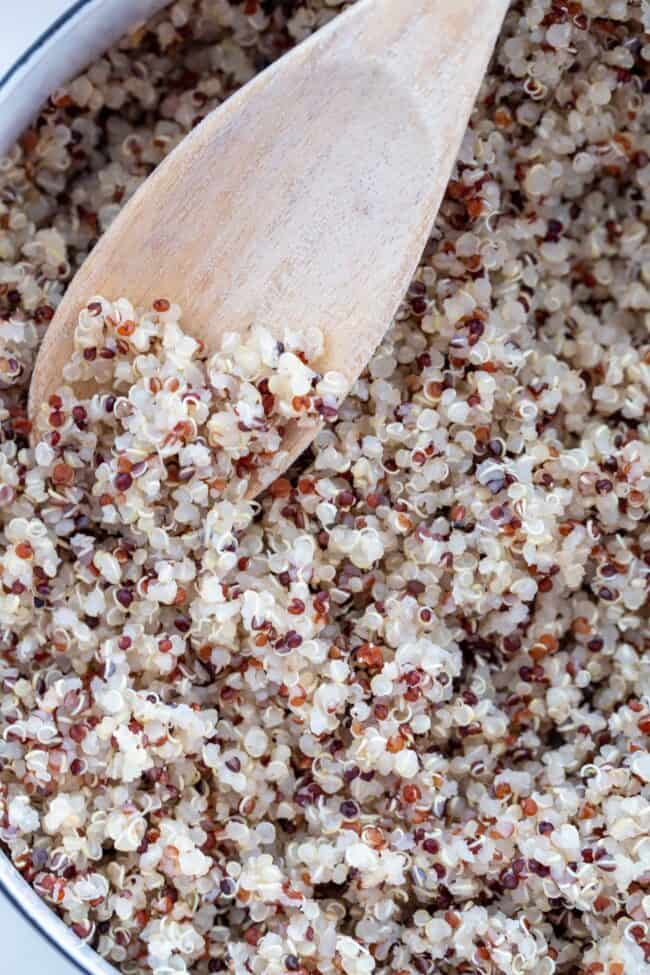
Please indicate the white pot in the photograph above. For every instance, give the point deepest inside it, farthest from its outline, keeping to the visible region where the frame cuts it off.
(44, 43)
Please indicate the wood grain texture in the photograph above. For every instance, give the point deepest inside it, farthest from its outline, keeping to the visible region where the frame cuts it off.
(307, 198)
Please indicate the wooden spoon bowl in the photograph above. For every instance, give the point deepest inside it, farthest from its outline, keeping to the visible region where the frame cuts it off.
(307, 198)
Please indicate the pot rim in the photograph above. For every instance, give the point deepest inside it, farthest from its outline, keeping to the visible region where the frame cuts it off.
(49, 925)
(81, 32)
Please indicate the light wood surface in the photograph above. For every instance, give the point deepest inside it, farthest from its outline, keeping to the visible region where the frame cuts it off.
(307, 198)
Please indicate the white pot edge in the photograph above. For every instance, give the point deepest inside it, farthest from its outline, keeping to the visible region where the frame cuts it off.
(81, 33)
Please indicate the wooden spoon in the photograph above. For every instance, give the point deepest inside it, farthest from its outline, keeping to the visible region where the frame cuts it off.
(307, 198)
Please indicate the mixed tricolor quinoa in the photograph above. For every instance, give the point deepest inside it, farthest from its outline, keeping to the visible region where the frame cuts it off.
(394, 716)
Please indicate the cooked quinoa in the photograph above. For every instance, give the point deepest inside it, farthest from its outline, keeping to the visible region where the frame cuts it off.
(393, 716)
(171, 431)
